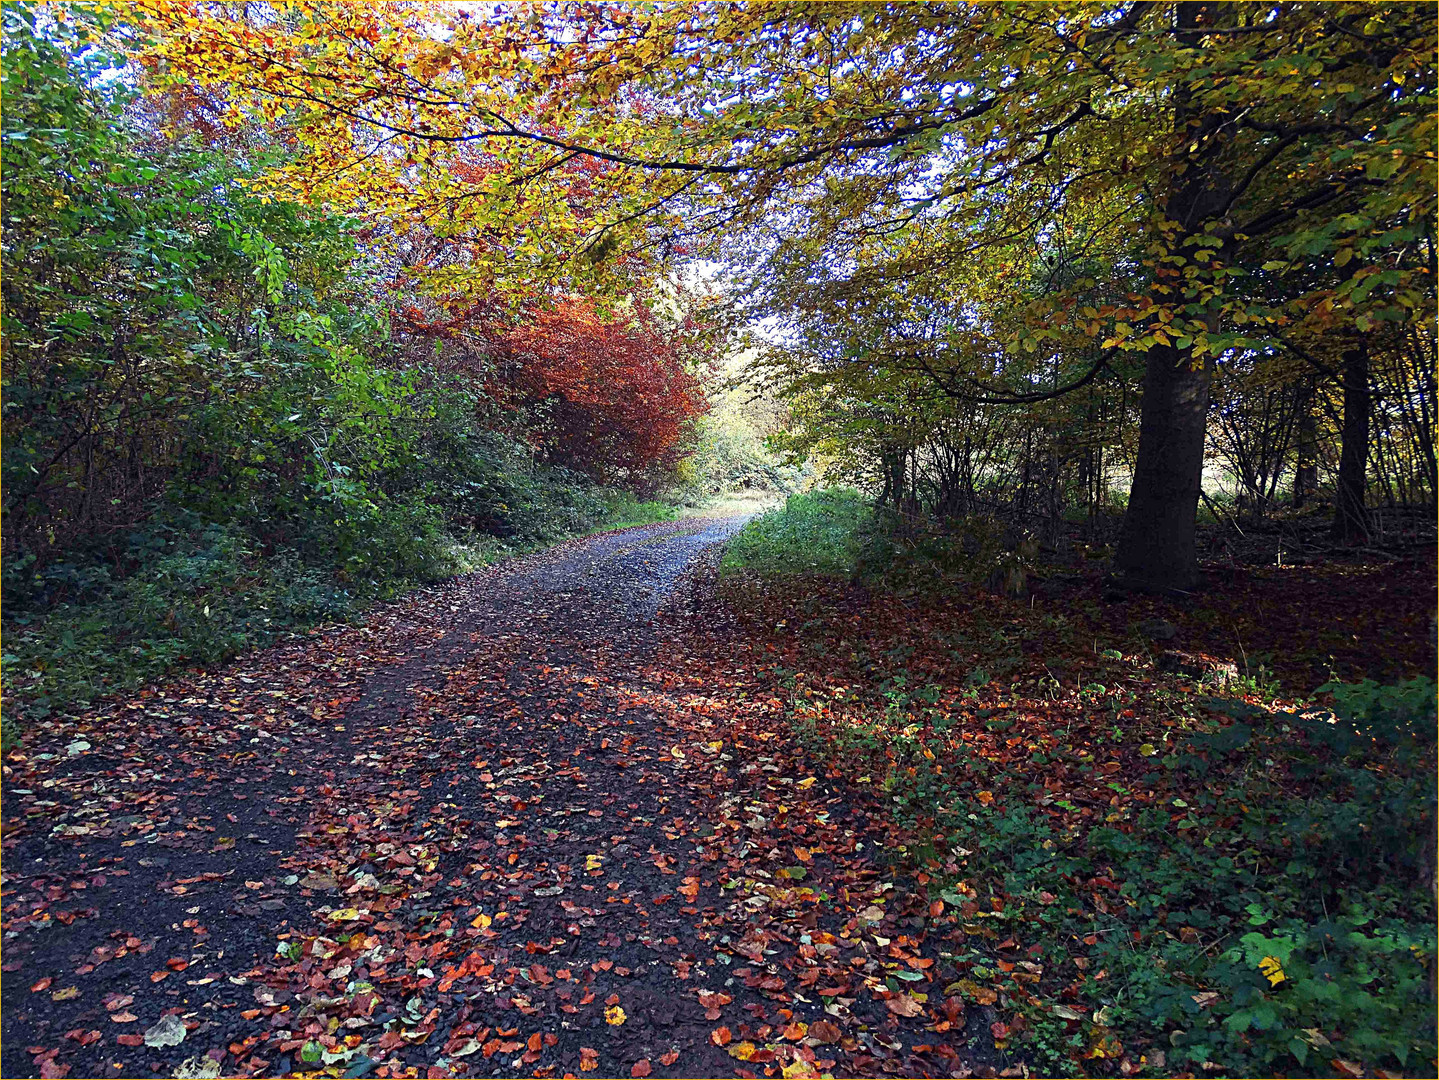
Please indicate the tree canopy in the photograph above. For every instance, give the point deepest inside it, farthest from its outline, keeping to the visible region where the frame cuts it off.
(1003, 201)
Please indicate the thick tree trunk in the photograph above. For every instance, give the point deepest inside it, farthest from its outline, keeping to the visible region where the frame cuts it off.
(1351, 519)
(1156, 546)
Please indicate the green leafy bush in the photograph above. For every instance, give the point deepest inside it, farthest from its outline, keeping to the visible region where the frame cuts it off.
(818, 532)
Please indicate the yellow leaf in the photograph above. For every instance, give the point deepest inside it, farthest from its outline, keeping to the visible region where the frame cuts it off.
(592, 862)
(481, 921)
(1271, 969)
(743, 1051)
(614, 1016)
(345, 914)
(806, 783)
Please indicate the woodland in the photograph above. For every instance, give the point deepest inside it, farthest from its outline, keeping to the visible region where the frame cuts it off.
(719, 539)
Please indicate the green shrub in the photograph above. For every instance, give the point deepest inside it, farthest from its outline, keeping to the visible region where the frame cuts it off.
(820, 532)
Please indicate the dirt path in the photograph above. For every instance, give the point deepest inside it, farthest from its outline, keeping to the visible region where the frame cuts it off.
(489, 833)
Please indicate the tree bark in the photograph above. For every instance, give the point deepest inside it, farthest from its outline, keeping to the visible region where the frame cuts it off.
(1351, 519)
(1156, 546)
(1157, 543)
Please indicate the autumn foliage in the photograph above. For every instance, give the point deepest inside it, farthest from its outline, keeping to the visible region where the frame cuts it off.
(622, 392)
(612, 393)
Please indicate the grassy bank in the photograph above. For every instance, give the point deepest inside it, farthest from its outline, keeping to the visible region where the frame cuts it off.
(202, 592)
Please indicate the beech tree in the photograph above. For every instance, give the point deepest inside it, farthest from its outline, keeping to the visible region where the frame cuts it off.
(850, 146)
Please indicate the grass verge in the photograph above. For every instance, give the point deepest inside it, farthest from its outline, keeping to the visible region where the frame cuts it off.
(213, 592)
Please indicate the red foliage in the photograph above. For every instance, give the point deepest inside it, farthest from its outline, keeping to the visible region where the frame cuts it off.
(610, 394)
(621, 391)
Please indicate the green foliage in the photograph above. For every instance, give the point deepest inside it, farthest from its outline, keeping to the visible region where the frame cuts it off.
(1391, 714)
(210, 436)
(817, 532)
(624, 508)
(729, 457)
(837, 531)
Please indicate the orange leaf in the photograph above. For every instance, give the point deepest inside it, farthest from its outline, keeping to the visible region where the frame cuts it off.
(721, 1036)
(904, 1005)
(641, 1067)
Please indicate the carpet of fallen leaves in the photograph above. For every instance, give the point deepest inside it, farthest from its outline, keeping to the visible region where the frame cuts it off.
(546, 820)
(1080, 692)
(497, 830)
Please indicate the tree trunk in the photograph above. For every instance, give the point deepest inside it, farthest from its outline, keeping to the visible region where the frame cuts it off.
(1156, 544)
(1351, 519)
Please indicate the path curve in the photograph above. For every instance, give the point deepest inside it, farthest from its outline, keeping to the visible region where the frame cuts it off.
(482, 834)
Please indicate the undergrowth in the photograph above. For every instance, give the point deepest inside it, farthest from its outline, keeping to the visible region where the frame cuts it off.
(1157, 877)
(819, 532)
(190, 592)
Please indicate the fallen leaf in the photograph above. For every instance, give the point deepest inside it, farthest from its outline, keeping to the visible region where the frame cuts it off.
(903, 1005)
(168, 1031)
(742, 1051)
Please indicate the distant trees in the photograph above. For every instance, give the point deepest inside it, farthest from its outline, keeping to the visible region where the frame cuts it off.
(184, 351)
(988, 206)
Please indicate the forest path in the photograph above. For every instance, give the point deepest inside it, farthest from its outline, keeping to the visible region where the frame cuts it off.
(488, 832)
